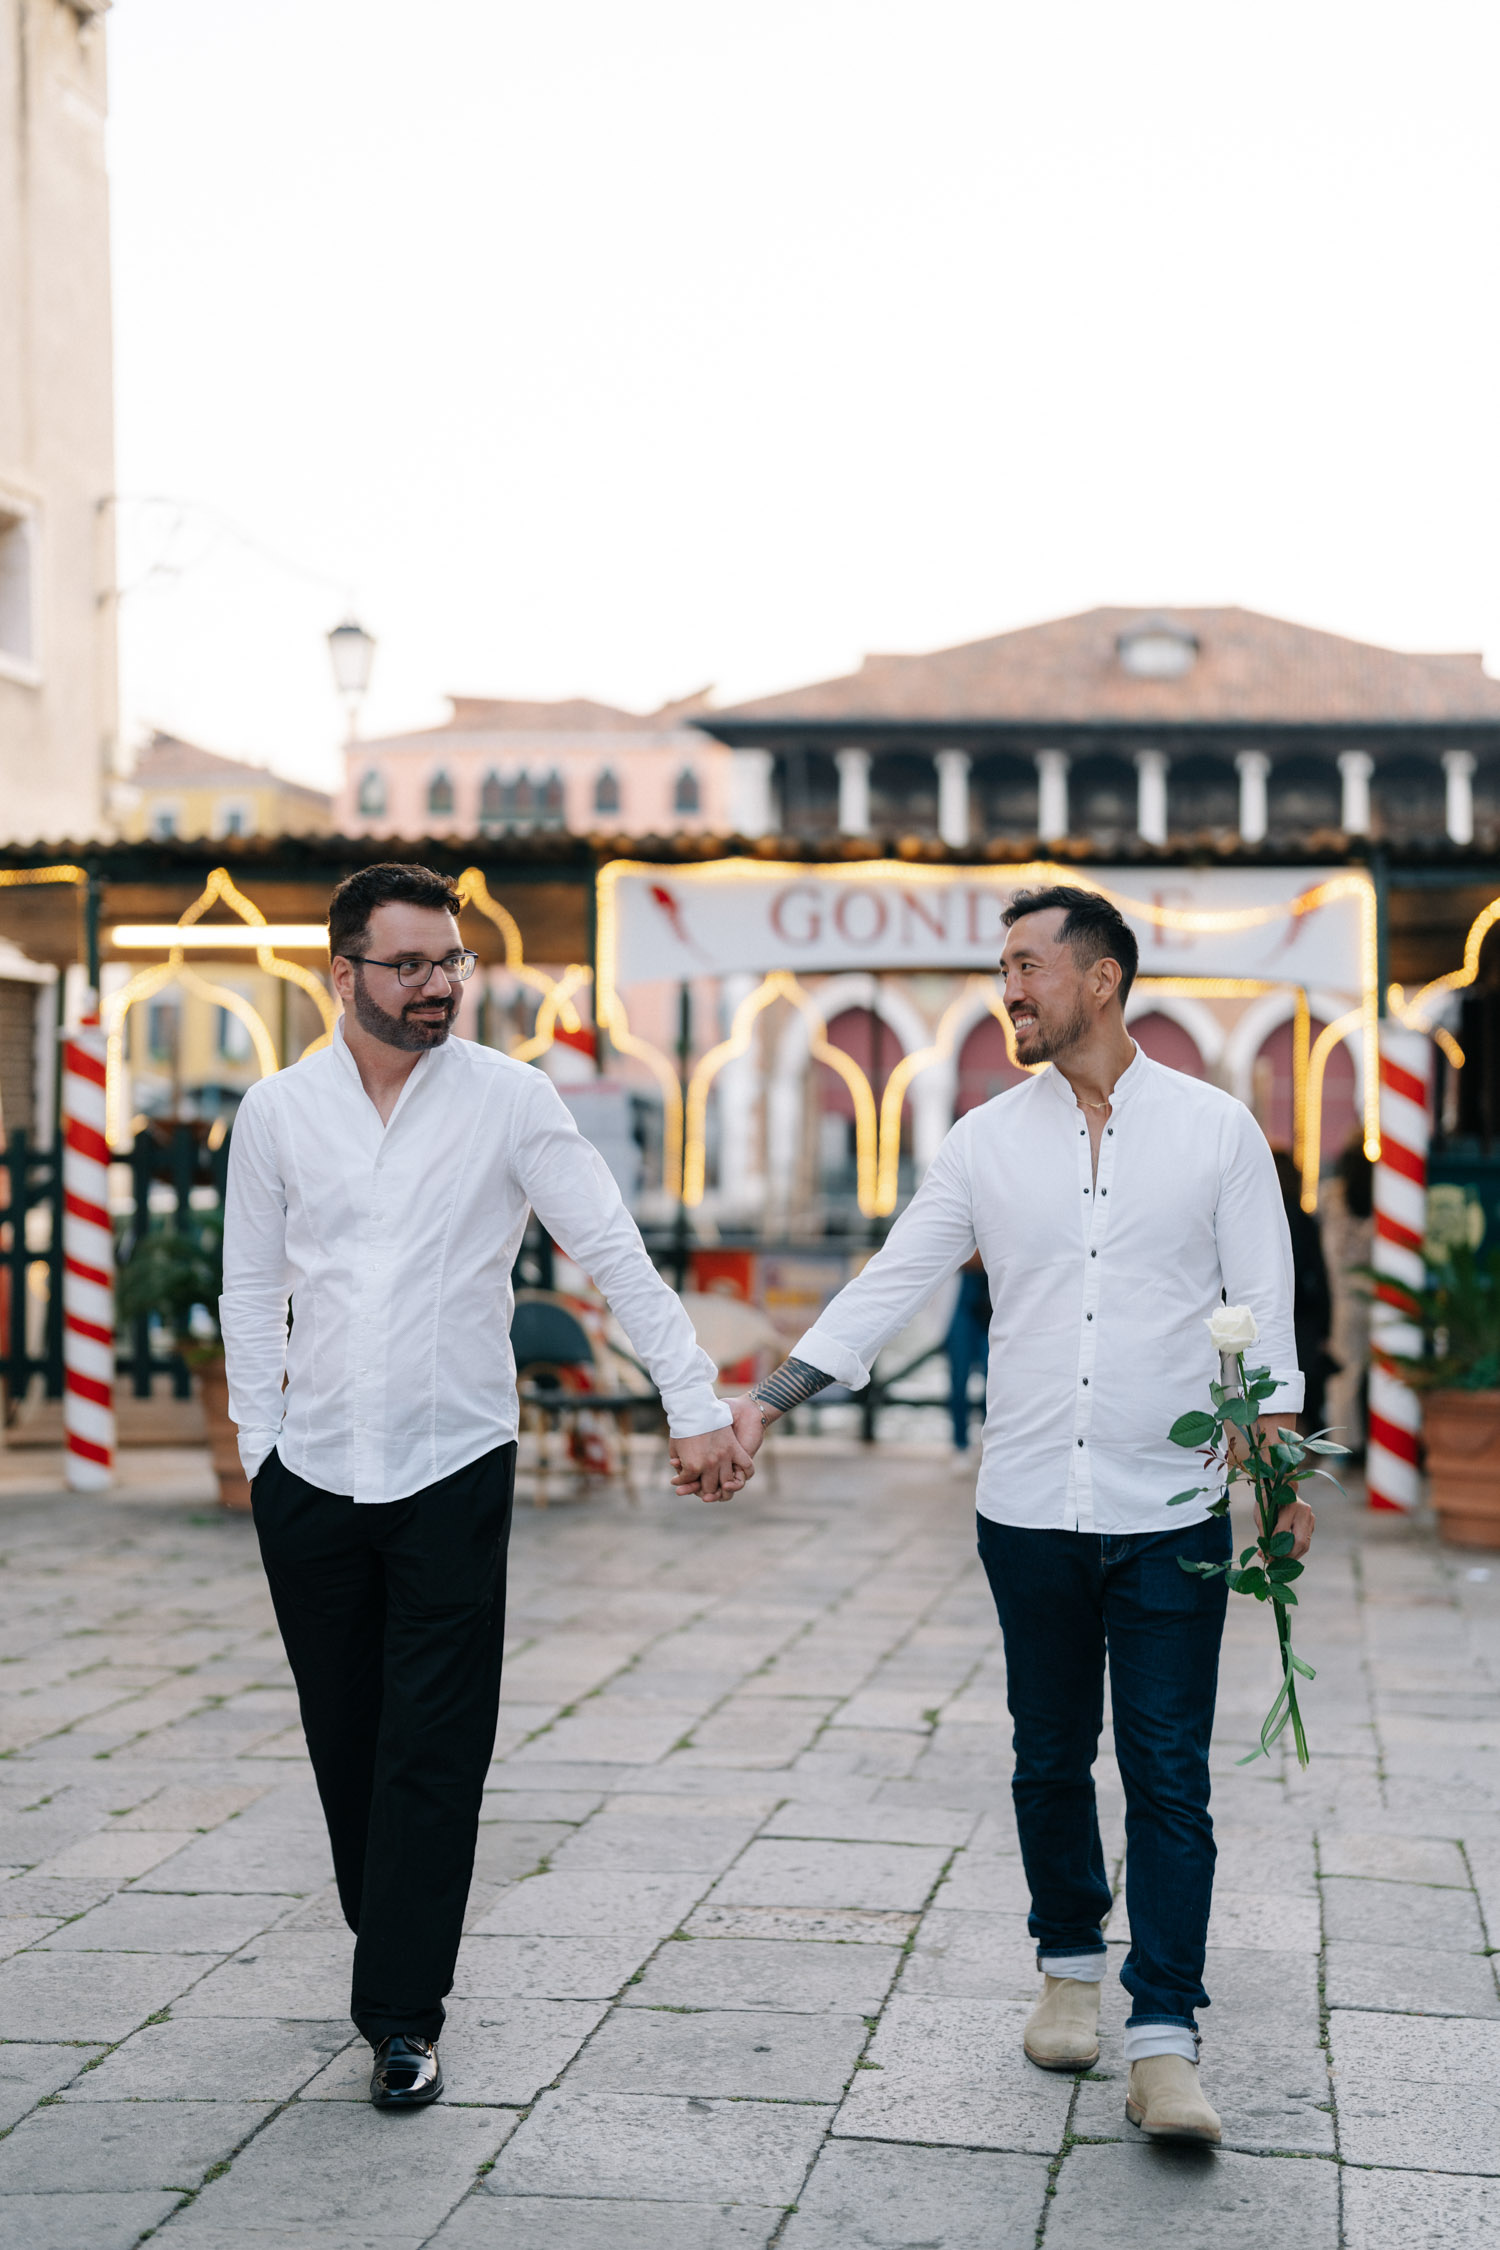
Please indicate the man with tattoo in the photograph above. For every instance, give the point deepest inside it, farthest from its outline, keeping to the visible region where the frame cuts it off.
(1114, 1204)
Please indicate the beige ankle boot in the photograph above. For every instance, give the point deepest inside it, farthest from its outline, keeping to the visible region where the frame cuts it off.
(1165, 2100)
(1062, 2030)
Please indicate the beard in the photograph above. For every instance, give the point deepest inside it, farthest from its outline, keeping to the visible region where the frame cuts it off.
(409, 1031)
(1053, 1036)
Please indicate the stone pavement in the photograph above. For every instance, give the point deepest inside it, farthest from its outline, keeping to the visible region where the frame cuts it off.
(747, 1961)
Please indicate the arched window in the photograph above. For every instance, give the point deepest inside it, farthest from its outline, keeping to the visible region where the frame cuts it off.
(1272, 1090)
(492, 799)
(440, 796)
(1165, 1041)
(984, 1066)
(551, 802)
(685, 797)
(607, 794)
(869, 1041)
(372, 794)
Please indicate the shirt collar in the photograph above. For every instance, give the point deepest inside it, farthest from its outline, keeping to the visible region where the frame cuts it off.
(1126, 1086)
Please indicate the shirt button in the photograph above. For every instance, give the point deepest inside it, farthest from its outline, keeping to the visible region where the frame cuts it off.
(1104, 1191)
(1080, 1445)
(1085, 1382)
(1088, 1316)
(1093, 1254)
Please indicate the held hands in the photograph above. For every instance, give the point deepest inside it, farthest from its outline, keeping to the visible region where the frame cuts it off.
(721, 1462)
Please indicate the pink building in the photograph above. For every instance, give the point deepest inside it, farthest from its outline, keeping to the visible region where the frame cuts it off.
(501, 769)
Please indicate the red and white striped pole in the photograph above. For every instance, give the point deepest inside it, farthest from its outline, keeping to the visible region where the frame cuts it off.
(88, 1267)
(1391, 1473)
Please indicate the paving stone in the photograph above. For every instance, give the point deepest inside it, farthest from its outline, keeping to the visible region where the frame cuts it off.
(591, 1903)
(1397, 1914)
(17, 1931)
(201, 2058)
(573, 2223)
(182, 1804)
(894, 2198)
(736, 2051)
(777, 1872)
(508, 1849)
(60, 2221)
(807, 1979)
(158, 1922)
(1423, 2092)
(857, 1927)
(1410, 1980)
(29, 2072)
(635, 1842)
(1134, 2196)
(964, 1955)
(121, 1852)
(656, 2147)
(1419, 2211)
(621, 1730)
(93, 2146)
(301, 1974)
(1263, 2064)
(1392, 1859)
(48, 1996)
(879, 1823)
(494, 2051)
(337, 2173)
(942, 2070)
(504, 1801)
(985, 1885)
(548, 1968)
(239, 1857)
(757, 1733)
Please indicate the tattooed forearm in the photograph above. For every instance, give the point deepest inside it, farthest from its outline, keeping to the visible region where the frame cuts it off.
(790, 1385)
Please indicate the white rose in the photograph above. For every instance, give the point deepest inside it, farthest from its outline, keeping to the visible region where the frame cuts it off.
(1232, 1328)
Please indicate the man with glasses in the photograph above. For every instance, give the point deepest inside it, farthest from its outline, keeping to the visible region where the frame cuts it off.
(381, 1188)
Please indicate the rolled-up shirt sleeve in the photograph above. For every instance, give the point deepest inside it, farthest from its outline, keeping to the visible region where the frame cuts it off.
(573, 1192)
(929, 1242)
(257, 1285)
(1255, 1255)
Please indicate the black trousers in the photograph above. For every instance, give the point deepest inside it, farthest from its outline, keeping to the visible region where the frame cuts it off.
(393, 1617)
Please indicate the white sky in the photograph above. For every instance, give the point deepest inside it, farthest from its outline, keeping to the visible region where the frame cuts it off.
(612, 349)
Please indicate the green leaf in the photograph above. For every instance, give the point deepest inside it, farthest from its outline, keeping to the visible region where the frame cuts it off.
(1193, 1429)
(1283, 1543)
(1199, 1569)
(1284, 1570)
(1178, 1498)
(1240, 1411)
(1263, 1388)
(1323, 1445)
(1253, 1582)
(1248, 1557)
(1280, 1593)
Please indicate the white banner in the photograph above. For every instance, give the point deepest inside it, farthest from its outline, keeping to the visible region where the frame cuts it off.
(1308, 926)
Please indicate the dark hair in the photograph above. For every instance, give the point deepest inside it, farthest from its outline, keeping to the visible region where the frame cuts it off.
(357, 897)
(1358, 1175)
(1095, 930)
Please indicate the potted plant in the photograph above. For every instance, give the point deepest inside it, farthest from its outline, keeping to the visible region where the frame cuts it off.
(1458, 1371)
(175, 1274)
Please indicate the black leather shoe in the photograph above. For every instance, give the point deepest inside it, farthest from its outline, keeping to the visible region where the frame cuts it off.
(407, 2074)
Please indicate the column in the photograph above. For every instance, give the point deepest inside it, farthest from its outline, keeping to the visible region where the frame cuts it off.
(751, 808)
(1458, 766)
(1355, 769)
(742, 1185)
(953, 796)
(1254, 766)
(854, 791)
(1151, 795)
(1051, 795)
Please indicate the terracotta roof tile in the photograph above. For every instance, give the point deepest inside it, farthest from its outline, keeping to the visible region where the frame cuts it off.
(1245, 668)
(167, 762)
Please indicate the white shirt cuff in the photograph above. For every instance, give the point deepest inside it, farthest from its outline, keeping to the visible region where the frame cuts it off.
(695, 1412)
(256, 1448)
(1287, 1396)
(830, 1357)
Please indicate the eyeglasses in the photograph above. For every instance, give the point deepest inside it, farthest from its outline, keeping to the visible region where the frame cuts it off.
(413, 971)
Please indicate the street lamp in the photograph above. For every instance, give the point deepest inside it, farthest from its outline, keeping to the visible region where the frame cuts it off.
(351, 651)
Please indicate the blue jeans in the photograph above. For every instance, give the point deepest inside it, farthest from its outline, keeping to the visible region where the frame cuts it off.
(967, 1346)
(1065, 1599)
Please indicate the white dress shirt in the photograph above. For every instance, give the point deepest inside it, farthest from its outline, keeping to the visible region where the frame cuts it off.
(394, 1245)
(1100, 1289)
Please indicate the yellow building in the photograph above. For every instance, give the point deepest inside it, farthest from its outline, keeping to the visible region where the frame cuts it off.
(187, 1056)
(178, 789)
(57, 593)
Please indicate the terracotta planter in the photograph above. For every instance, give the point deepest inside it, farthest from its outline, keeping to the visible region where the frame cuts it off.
(1462, 1430)
(223, 1444)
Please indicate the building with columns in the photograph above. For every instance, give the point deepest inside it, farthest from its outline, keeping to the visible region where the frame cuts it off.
(1199, 728)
